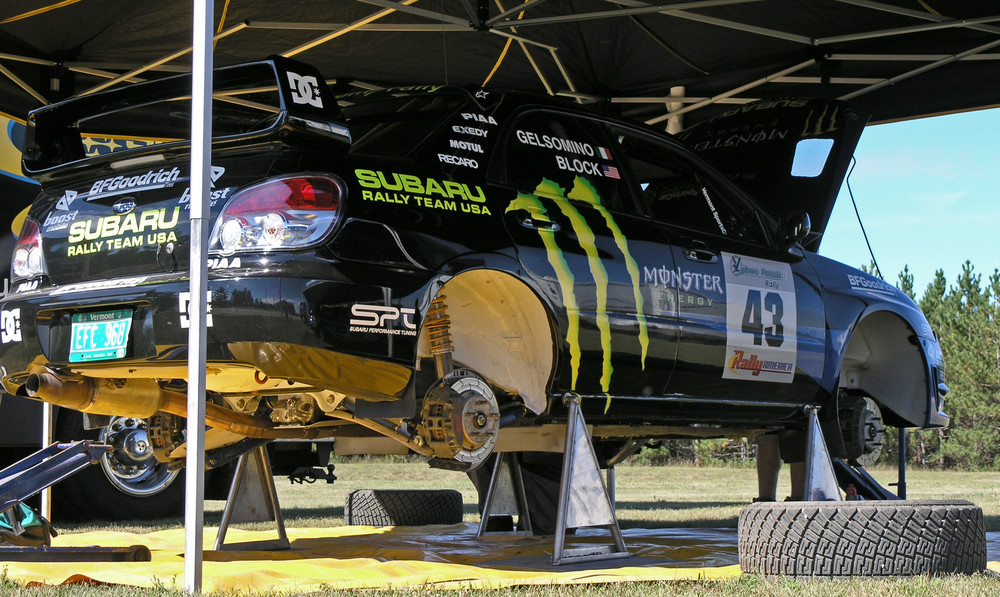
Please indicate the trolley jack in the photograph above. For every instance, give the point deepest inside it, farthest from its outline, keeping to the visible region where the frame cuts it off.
(43, 469)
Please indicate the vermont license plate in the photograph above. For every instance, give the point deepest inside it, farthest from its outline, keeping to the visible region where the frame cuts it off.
(99, 336)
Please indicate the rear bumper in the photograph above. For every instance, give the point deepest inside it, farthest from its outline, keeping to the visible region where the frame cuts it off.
(262, 330)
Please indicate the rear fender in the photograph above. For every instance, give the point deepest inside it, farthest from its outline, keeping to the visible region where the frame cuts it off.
(501, 329)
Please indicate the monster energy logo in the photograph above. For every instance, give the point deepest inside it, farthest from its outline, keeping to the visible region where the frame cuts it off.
(583, 191)
(825, 122)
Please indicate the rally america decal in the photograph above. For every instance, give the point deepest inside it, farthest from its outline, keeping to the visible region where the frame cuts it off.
(761, 321)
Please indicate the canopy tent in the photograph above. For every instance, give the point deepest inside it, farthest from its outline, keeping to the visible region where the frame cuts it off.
(896, 59)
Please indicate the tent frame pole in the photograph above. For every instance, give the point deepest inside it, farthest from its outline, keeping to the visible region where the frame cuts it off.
(201, 160)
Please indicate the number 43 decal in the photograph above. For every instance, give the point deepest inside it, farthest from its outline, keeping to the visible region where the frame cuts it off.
(760, 307)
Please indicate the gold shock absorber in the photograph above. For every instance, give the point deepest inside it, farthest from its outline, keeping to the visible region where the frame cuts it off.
(438, 326)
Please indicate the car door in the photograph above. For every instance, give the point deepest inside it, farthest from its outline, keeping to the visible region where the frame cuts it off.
(582, 240)
(750, 314)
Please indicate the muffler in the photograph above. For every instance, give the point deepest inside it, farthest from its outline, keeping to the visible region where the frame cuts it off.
(142, 398)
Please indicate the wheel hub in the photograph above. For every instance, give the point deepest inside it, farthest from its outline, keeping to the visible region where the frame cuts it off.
(460, 418)
(131, 465)
(863, 429)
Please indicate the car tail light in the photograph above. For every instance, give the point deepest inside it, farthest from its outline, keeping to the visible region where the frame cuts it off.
(28, 260)
(287, 213)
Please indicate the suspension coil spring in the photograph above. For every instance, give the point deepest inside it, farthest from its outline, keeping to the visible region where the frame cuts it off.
(438, 326)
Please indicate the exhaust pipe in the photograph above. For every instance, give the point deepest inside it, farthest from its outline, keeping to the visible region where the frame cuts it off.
(139, 398)
(142, 398)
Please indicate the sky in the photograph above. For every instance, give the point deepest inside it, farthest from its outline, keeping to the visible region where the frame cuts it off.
(928, 192)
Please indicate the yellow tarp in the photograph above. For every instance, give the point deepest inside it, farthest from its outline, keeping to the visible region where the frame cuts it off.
(365, 557)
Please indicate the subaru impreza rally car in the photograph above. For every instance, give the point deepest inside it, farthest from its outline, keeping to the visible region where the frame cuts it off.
(433, 270)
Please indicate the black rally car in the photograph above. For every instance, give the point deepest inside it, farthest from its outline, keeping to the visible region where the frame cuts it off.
(434, 269)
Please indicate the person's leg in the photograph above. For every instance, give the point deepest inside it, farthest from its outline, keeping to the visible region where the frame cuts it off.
(792, 449)
(768, 467)
(798, 474)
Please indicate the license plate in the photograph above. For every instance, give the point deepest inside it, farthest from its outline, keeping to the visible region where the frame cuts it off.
(99, 336)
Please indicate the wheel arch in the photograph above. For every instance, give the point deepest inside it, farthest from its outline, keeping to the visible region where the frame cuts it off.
(503, 330)
(884, 358)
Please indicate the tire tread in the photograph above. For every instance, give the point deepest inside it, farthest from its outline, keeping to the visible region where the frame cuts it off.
(403, 507)
(868, 538)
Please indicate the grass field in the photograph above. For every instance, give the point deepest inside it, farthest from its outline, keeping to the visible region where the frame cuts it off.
(647, 497)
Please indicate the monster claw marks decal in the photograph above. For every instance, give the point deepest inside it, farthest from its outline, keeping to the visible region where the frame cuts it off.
(761, 320)
(584, 192)
(532, 205)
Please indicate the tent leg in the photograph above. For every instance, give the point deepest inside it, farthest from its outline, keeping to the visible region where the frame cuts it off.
(253, 498)
(901, 465)
(583, 496)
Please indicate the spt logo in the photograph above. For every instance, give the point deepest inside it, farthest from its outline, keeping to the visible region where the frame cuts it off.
(379, 319)
(305, 90)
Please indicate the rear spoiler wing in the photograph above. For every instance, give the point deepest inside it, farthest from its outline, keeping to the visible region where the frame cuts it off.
(251, 100)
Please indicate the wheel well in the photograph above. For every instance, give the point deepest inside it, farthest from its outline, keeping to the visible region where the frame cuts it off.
(501, 330)
(884, 360)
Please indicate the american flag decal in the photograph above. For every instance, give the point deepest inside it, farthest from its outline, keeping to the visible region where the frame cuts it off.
(610, 172)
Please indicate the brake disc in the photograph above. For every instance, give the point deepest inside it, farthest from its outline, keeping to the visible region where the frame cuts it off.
(460, 418)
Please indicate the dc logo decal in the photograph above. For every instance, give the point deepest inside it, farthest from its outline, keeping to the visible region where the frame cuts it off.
(10, 326)
(305, 90)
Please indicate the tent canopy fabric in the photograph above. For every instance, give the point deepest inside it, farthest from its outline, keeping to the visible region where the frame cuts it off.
(896, 59)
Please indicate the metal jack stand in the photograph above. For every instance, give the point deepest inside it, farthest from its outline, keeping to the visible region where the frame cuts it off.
(253, 498)
(506, 496)
(583, 497)
(820, 479)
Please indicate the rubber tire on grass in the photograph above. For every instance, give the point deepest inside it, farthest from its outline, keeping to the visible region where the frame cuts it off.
(864, 538)
(403, 507)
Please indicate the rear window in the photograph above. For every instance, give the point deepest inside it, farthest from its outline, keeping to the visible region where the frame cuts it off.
(234, 112)
(394, 124)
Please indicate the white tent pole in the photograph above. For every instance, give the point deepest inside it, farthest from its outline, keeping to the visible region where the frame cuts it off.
(201, 160)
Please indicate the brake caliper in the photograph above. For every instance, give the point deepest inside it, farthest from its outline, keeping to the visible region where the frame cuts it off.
(460, 419)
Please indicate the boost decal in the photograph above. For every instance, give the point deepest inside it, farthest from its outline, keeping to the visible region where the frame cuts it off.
(761, 320)
(584, 192)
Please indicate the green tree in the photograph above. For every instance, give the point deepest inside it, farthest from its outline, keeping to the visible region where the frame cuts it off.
(966, 317)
